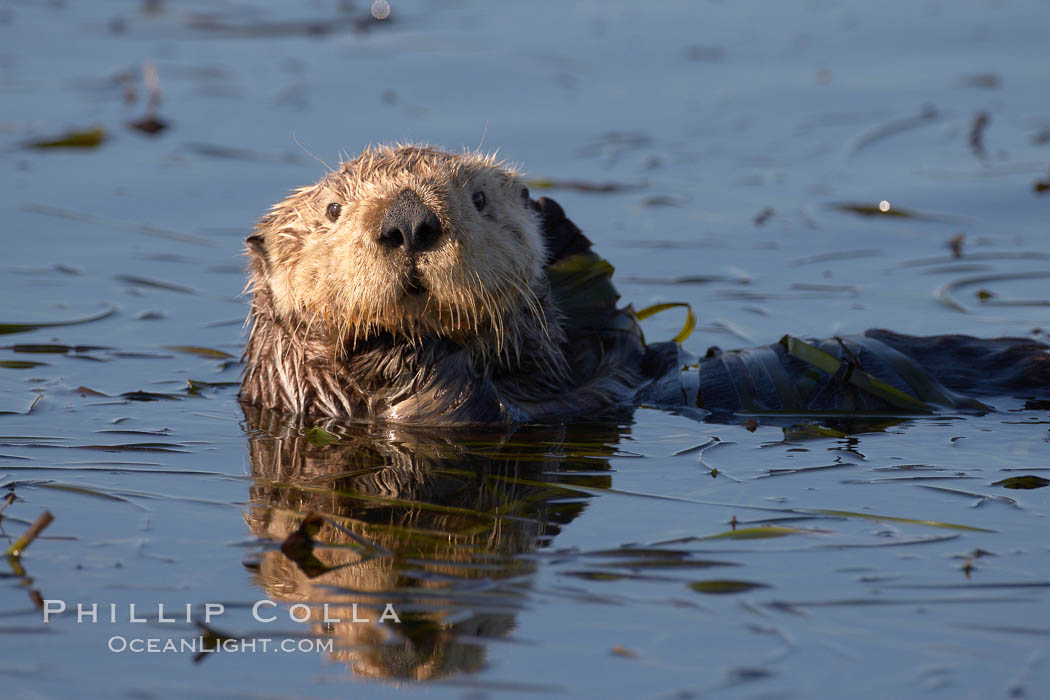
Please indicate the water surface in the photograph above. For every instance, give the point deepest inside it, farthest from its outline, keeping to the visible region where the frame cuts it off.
(749, 146)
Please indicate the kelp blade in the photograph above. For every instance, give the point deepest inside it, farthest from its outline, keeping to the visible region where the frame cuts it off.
(690, 317)
(862, 380)
(8, 328)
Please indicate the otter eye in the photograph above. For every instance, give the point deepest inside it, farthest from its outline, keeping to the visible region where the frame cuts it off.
(525, 196)
(333, 210)
(479, 200)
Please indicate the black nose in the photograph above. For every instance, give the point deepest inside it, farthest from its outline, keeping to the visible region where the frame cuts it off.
(410, 225)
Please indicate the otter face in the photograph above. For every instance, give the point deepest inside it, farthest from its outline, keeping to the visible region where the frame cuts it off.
(408, 240)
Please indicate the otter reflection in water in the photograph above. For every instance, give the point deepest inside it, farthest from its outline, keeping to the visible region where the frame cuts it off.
(428, 523)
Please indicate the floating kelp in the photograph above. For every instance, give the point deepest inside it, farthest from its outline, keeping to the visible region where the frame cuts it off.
(662, 200)
(687, 279)
(53, 348)
(1041, 186)
(80, 489)
(977, 129)
(216, 26)
(196, 387)
(21, 364)
(725, 586)
(38, 526)
(1027, 481)
(852, 375)
(625, 652)
(8, 328)
(583, 186)
(606, 576)
(690, 317)
(829, 364)
(785, 471)
(150, 125)
(757, 533)
(648, 558)
(207, 353)
(149, 396)
(926, 116)
(894, 519)
(138, 281)
(884, 208)
(763, 216)
(134, 447)
(87, 138)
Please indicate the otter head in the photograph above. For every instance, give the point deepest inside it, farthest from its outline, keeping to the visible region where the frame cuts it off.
(405, 240)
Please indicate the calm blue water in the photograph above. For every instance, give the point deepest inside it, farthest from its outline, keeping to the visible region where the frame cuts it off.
(739, 129)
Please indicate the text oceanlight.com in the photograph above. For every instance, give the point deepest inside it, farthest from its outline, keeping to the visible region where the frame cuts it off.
(204, 645)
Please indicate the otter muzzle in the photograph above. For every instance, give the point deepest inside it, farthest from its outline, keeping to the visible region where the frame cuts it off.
(409, 225)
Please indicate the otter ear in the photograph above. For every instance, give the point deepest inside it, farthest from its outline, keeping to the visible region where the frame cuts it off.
(257, 245)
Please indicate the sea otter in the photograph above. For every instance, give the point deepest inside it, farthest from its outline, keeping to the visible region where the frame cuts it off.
(414, 285)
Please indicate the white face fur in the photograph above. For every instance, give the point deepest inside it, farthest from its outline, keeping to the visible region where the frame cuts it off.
(324, 254)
